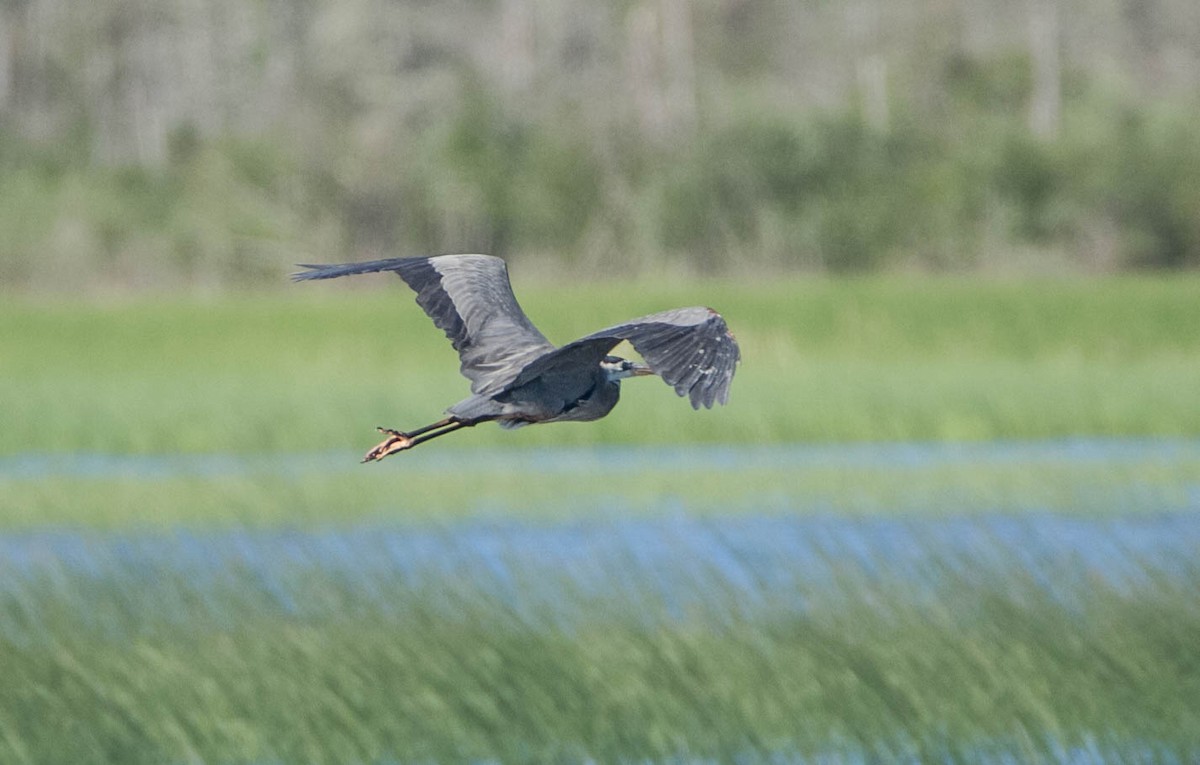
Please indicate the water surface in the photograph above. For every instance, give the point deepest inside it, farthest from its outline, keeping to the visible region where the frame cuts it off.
(1078, 451)
(737, 568)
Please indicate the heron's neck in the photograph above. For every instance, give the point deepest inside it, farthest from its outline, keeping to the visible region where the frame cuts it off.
(615, 374)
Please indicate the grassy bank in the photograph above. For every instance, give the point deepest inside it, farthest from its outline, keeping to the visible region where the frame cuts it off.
(318, 366)
(314, 491)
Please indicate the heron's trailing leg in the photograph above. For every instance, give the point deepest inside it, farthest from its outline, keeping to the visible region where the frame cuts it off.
(398, 441)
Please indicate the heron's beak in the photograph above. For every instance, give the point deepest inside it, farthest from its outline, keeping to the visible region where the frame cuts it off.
(640, 370)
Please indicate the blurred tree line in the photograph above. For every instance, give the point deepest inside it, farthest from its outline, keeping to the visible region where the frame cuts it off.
(210, 142)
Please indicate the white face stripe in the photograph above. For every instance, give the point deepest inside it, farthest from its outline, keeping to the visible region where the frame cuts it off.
(615, 371)
(622, 368)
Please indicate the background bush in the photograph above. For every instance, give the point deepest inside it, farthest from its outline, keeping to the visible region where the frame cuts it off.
(153, 144)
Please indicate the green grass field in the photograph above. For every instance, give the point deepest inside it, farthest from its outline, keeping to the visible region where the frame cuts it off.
(194, 568)
(318, 366)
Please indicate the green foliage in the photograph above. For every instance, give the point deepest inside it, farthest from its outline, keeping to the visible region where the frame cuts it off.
(220, 214)
(832, 184)
(1030, 179)
(988, 86)
(955, 183)
(1155, 197)
(536, 189)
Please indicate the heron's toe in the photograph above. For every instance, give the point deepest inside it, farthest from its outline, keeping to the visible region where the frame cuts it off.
(397, 442)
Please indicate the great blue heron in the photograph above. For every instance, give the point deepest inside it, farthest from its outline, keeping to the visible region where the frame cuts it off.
(517, 376)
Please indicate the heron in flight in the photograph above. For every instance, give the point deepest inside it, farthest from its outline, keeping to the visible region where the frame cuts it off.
(518, 377)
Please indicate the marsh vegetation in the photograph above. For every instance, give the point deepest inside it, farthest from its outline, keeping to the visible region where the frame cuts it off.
(939, 519)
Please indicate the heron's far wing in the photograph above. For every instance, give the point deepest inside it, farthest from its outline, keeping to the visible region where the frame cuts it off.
(691, 349)
(470, 299)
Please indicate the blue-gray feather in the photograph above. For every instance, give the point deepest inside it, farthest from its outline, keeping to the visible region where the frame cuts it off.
(691, 349)
(469, 297)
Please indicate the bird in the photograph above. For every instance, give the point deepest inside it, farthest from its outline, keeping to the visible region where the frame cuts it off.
(517, 376)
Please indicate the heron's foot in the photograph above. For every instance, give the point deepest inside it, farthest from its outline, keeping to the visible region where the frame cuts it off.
(396, 441)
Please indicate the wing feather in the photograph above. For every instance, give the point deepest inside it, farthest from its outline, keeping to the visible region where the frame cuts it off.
(691, 349)
(470, 298)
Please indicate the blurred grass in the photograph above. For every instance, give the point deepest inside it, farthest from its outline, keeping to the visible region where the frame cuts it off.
(879, 675)
(318, 366)
(323, 489)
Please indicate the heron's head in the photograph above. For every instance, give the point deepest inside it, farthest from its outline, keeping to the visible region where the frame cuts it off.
(618, 368)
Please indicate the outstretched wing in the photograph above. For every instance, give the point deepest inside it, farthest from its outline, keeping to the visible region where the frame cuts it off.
(470, 299)
(691, 349)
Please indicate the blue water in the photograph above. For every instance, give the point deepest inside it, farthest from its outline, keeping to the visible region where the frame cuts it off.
(1079, 451)
(672, 564)
(674, 567)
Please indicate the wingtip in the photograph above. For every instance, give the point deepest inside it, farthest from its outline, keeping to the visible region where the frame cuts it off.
(708, 398)
(301, 276)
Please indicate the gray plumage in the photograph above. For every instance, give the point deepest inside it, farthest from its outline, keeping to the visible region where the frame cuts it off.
(518, 377)
(691, 349)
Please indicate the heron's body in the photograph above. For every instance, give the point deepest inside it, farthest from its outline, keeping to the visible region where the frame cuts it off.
(557, 396)
(518, 377)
